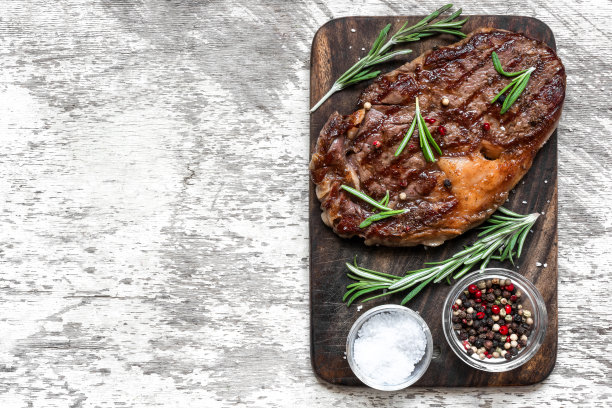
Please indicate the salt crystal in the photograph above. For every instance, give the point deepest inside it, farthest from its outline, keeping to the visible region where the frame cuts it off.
(502, 128)
(359, 308)
(538, 264)
(353, 30)
(363, 49)
(524, 202)
(388, 346)
(542, 212)
(545, 265)
(350, 47)
(545, 181)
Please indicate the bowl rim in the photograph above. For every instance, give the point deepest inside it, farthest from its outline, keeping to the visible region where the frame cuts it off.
(536, 339)
(426, 359)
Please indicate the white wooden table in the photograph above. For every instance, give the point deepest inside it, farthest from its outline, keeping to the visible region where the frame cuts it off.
(153, 240)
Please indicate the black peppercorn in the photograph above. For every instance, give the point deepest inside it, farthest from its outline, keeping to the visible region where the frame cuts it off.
(463, 335)
(513, 351)
(456, 319)
(470, 352)
(517, 318)
(488, 344)
(497, 292)
(523, 343)
(490, 322)
(508, 356)
(472, 332)
(490, 335)
(477, 324)
(478, 343)
(457, 326)
(514, 326)
(472, 339)
(497, 336)
(482, 336)
(490, 298)
(506, 294)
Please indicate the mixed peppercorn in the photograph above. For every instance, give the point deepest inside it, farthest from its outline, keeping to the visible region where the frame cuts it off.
(490, 321)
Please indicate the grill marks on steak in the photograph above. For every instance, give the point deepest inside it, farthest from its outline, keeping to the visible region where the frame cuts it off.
(477, 168)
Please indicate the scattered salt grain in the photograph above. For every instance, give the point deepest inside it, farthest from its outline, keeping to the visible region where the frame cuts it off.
(524, 202)
(538, 264)
(353, 30)
(359, 308)
(502, 128)
(545, 181)
(545, 265)
(542, 213)
(350, 47)
(388, 346)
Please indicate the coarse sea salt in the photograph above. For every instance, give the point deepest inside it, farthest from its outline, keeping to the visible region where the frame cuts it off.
(388, 346)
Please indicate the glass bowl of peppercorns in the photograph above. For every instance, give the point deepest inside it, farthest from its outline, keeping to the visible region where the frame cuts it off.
(494, 319)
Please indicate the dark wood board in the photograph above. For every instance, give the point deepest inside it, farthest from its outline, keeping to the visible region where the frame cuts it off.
(334, 49)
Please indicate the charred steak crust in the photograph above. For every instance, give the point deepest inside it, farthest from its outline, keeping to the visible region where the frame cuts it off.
(477, 168)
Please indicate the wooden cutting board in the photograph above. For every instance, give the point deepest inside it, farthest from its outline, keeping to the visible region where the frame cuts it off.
(334, 49)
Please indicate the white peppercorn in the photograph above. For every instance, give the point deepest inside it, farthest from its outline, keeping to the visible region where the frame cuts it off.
(513, 343)
(458, 301)
(495, 318)
(529, 321)
(470, 310)
(526, 313)
(513, 336)
(507, 346)
(495, 327)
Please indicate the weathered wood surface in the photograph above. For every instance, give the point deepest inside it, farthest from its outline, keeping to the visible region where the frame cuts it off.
(330, 319)
(154, 240)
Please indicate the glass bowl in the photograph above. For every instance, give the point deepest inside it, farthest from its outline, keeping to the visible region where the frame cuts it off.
(419, 368)
(531, 300)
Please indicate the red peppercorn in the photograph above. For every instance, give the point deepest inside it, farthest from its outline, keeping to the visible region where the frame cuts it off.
(472, 288)
(376, 144)
(513, 298)
(455, 306)
(464, 321)
(407, 228)
(486, 126)
(478, 294)
(442, 130)
(430, 120)
(478, 300)
(510, 287)
(495, 309)
(480, 315)
(508, 309)
(503, 330)
(508, 339)
(489, 355)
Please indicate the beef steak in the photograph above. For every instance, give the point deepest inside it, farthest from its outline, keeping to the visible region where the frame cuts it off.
(477, 168)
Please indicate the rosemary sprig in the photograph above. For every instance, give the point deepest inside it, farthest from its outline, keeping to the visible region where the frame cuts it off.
(518, 84)
(425, 137)
(379, 52)
(501, 239)
(382, 205)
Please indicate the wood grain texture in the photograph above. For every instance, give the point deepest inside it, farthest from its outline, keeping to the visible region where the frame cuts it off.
(154, 221)
(331, 320)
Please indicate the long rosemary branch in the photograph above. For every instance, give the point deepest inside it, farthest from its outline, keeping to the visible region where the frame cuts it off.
(501, 239)
(379, 52)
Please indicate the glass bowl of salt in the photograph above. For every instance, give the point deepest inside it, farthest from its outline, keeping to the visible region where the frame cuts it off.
(389, 347)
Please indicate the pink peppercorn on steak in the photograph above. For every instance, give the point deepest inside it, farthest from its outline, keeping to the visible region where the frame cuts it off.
(484, 153)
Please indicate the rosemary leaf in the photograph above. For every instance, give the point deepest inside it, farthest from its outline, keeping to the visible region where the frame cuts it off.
(365, 198)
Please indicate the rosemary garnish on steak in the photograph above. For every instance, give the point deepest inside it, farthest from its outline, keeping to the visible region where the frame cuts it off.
(379, 52)
(518, 84)
(381, 205)
(502, 239)
(425, 137)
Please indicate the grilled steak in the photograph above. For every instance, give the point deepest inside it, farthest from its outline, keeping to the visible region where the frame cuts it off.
(477, 168)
